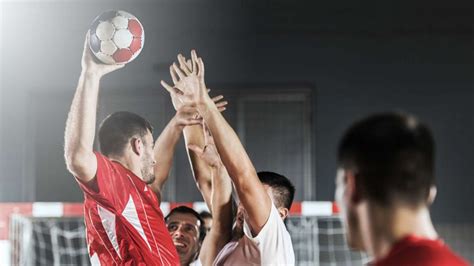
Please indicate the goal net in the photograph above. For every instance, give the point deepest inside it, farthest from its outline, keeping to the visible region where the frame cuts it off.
(320, 240)
(48, 241)
(317, 240)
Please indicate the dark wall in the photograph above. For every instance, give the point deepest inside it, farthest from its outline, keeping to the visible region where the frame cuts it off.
(358, 59)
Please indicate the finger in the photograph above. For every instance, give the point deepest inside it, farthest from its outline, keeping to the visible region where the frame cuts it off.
(183, 65)
(167, 87)
(178, 91)
(195, 149)
(221, 104)
(194, 60)
(200, 68)
(221, 109)
(208, 90)
(86, 42)
(178, 71)
(217, 98)
(87, 52)
(173, 75)
(189, 64)
(193, 121)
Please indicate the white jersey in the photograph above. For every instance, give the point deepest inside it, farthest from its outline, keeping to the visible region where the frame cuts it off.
(196, 263)
(272, 246)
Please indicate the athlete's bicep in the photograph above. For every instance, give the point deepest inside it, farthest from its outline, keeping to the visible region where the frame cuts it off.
(83, 165)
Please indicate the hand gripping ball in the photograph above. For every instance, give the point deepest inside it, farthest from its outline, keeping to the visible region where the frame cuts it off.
(116, 37)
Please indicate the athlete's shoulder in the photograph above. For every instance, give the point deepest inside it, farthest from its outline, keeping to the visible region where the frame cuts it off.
(433, 252)
(423, 252)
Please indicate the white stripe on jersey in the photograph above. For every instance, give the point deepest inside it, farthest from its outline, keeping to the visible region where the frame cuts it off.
(95, 260)
(131, 215)
(108, 222)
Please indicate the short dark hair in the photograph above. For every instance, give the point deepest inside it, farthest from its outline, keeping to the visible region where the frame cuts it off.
(187, 210)
(117, 129)
(392, 155)
(205, 215)
(282, 189)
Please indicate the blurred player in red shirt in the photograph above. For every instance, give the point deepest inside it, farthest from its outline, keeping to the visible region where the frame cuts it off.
(384, 186)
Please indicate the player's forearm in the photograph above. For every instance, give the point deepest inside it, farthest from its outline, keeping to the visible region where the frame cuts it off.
(81, 121)
(194, 135)
(230, 148)
(164, 151)
(221, 200)
(221, 230)
(239, 167)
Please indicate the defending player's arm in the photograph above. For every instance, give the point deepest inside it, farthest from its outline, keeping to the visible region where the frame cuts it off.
(81, 121)
(190, 87)
(194, 135)
(166, 143)
(221, 201)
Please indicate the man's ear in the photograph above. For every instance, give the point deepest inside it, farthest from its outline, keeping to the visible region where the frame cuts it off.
(283, 212)
(432, 195)
(353, 189)
(137, 145)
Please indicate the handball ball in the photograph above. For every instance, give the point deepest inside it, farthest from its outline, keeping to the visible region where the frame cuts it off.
(116, 37)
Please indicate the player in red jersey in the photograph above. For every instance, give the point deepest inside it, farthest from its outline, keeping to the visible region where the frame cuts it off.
(122, 184)
(385, 185)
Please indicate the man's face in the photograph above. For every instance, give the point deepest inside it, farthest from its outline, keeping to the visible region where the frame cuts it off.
(147, 159)
(184, 230)
(347, 211)
(242, 213)
(239, 219)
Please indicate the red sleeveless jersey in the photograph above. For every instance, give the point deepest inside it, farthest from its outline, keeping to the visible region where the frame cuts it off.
(124, 222)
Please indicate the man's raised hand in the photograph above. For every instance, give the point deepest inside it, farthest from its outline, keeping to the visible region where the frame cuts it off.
(91, 66)
(188, 79)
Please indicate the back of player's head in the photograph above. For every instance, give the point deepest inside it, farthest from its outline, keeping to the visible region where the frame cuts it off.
(392, 157)
(282, 189)
(187, 210)
(118, 128)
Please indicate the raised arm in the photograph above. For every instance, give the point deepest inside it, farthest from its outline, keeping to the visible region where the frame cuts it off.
(194, 135)
(81, 121)
(191, 88)
(202, 173)
(166, 143)
(221, 201)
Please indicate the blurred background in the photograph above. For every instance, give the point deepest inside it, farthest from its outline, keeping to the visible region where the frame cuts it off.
(295, 73)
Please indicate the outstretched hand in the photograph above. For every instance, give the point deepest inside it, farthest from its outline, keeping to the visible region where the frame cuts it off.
(188, 80)
(91, 66)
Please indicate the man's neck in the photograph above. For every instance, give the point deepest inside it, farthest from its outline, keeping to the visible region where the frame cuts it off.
(185, 261)
(127, 163)
(382, 227)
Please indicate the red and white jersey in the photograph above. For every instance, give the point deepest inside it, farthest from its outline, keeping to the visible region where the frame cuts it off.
(125, 225)
(413, 250)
